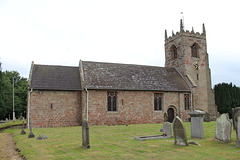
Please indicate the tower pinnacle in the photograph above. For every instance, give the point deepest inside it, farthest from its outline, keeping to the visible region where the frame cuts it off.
(204, 31)
(181, 26)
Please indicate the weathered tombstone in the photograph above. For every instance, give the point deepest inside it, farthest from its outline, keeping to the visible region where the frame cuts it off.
(167, 128)
(207, 117)
(234, 112)
(165, 117)
(223, 128)
(179, 131)
(6, 120)
(238, 129)
(23, 132)
(31, 135)
(85, 134)
(197, 130)
(41, 137)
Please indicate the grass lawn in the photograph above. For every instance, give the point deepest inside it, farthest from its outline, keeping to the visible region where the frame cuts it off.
(116, 142)
(10, 123)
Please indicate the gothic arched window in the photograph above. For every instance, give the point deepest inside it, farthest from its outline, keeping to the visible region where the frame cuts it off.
(195, 50)
(173, 50)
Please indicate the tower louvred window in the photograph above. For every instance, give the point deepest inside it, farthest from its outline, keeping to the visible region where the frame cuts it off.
(174, 53)
(195, 50)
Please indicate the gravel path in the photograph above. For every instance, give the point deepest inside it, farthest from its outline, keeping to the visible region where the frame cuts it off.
(8, 147)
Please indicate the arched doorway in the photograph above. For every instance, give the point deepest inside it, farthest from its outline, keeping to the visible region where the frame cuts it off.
(170, 113)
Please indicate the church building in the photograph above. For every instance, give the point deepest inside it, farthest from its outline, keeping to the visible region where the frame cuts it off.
(116, 94)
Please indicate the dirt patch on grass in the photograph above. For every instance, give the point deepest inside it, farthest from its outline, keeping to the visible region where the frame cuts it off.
(8, 148)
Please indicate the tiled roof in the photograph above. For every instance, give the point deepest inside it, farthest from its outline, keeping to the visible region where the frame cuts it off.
(55, 77)
(115, 76)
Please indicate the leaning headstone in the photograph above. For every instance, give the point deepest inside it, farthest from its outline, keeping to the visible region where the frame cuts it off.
(23, 132)
(179, 131)
(85, 134)
(207, 117)
(197, 130)
(167, 128)
(223, 128)
(234, 112)
(31, 135)
(165, 117)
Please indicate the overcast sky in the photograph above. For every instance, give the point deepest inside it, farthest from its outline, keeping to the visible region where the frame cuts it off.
(56, 32)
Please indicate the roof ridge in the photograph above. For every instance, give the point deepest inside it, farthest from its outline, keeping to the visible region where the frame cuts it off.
(54, 65)
(125, 64)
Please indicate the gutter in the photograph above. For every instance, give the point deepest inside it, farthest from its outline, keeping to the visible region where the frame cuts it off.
(87, 103)
(188, 85)
(29, 96)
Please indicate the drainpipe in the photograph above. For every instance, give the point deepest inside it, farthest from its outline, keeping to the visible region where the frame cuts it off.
(87, 103)
(188, 85)
(29, 95)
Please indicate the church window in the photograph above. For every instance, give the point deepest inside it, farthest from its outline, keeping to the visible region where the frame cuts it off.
(158, 101)
(174, 52)
(111, 101)
(187, 101)
(195, 50)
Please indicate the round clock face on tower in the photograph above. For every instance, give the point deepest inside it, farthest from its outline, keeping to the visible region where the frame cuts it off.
(196, 66)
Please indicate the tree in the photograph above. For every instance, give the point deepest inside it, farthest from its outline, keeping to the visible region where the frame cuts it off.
(227, 96)
(6, 96)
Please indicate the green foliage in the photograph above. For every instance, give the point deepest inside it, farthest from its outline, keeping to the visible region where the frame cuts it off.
(117, 142)
(227, 96)
(6, 95)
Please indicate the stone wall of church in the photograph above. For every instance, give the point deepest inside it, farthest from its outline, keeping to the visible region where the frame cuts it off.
(133, 107)
(55, 108)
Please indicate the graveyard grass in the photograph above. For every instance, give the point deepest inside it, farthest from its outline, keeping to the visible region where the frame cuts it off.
(117, 142)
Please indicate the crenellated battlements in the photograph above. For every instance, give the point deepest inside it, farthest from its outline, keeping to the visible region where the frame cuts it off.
(185, 33)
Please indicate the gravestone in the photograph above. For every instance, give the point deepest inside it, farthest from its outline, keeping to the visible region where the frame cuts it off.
(167, 128)
(6, 120)
(31, 135)
(238, 129)
(85, 134)
(165, 117)
(234, 112)
(197, 130)
(223, 128)
(23, 132)
(207, 117)
(179, 131)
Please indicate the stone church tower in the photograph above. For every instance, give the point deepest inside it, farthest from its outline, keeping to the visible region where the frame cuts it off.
(187, 51)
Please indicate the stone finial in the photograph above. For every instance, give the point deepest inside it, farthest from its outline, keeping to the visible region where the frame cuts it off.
(204, 31)
(172, 33)
(181, 26)
(192, 30)
(165, 34)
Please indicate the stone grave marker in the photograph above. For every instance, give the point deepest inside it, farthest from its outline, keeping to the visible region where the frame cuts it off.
(85, 134)
(238, 129)
(223, 128)
(207, 117)
(31, 135)
(197, 130)
(179, 132)
(167, 128)
(6, 120)
(23, 132)
(165, 117)
(234, 112)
